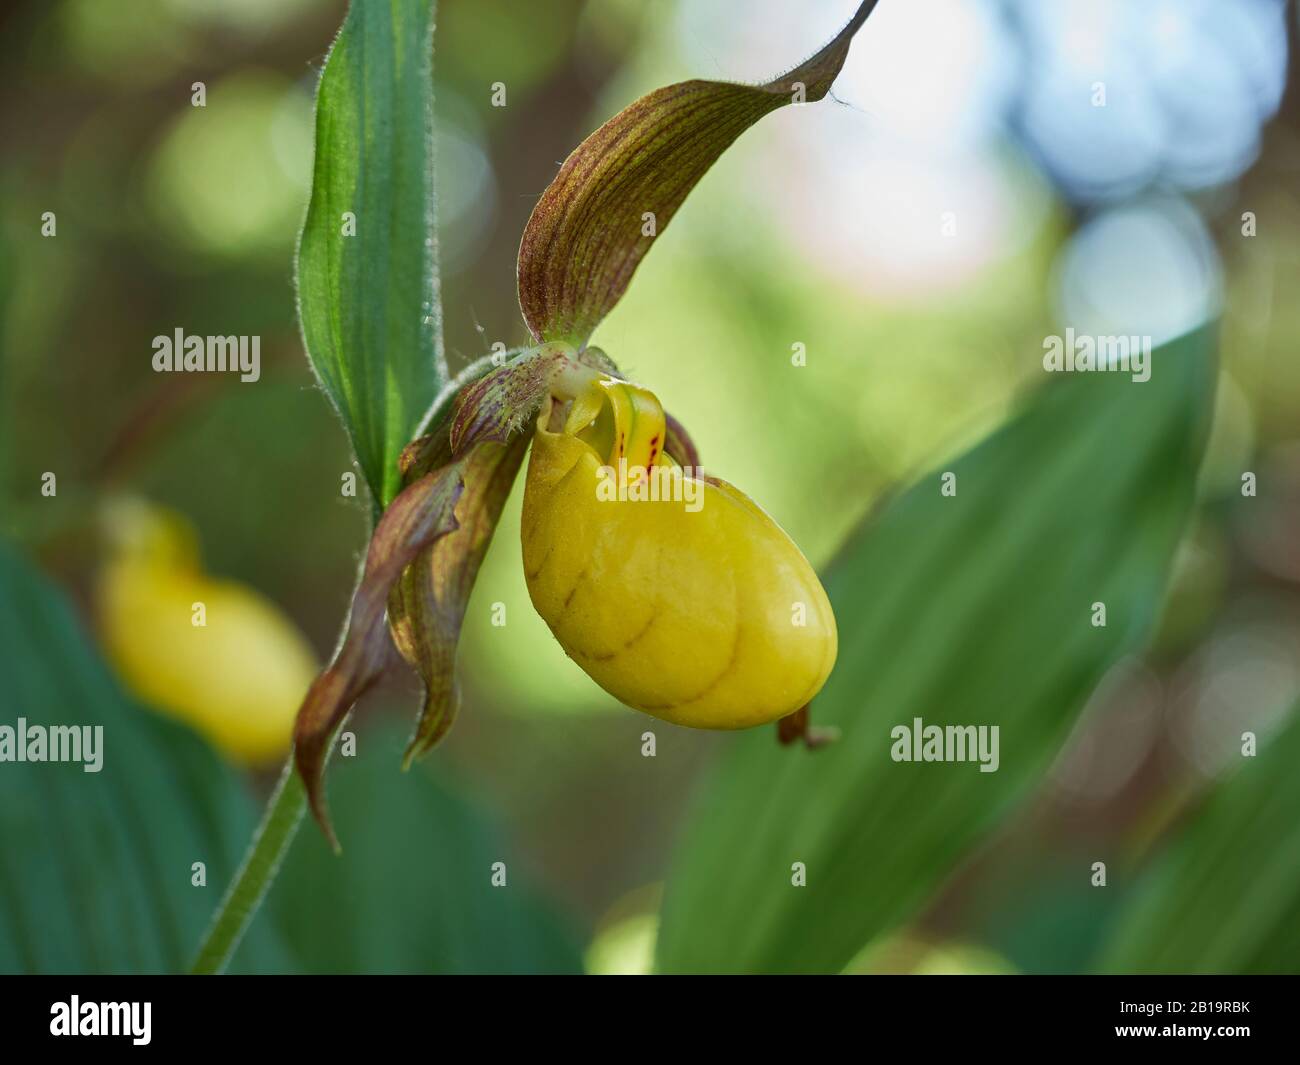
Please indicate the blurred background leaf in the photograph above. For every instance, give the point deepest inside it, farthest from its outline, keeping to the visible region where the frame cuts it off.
(1225, 896)
(367, 258)
(1081, 499)
(103, 883)
(96, 870)
(412, 891)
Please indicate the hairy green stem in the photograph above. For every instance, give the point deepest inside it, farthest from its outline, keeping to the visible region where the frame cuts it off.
(279, 824)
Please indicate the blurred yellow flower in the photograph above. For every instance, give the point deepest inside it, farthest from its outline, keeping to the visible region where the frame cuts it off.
(674, 591)
(212, 653)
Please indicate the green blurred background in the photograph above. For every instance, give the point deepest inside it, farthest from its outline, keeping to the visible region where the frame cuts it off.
(958, 199)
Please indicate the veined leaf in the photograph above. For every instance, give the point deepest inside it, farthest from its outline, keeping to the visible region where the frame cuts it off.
(367, 259)
(412, 893)
(621, 187)
(97, 869)
(966, 609)
(1225, 896)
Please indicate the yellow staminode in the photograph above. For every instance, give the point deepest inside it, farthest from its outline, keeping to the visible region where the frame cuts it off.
(237, 678)
(706, 615)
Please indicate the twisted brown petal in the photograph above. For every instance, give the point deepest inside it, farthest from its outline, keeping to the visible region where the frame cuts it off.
(427, 605)
(421, 513)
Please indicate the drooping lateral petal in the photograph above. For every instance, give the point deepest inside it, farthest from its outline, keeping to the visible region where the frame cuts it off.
(421, 513)
(588, 232)
(427, 605)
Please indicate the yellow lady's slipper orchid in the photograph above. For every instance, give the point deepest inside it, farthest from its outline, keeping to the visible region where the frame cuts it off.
(212, 653)
(675, 592)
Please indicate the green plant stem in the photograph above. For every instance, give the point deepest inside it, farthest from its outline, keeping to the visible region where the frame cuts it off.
(279, 824)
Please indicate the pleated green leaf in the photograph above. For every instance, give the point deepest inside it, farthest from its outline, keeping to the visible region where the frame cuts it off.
(367, 258)
(413, 889)
(97, 869)
(970, 609)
